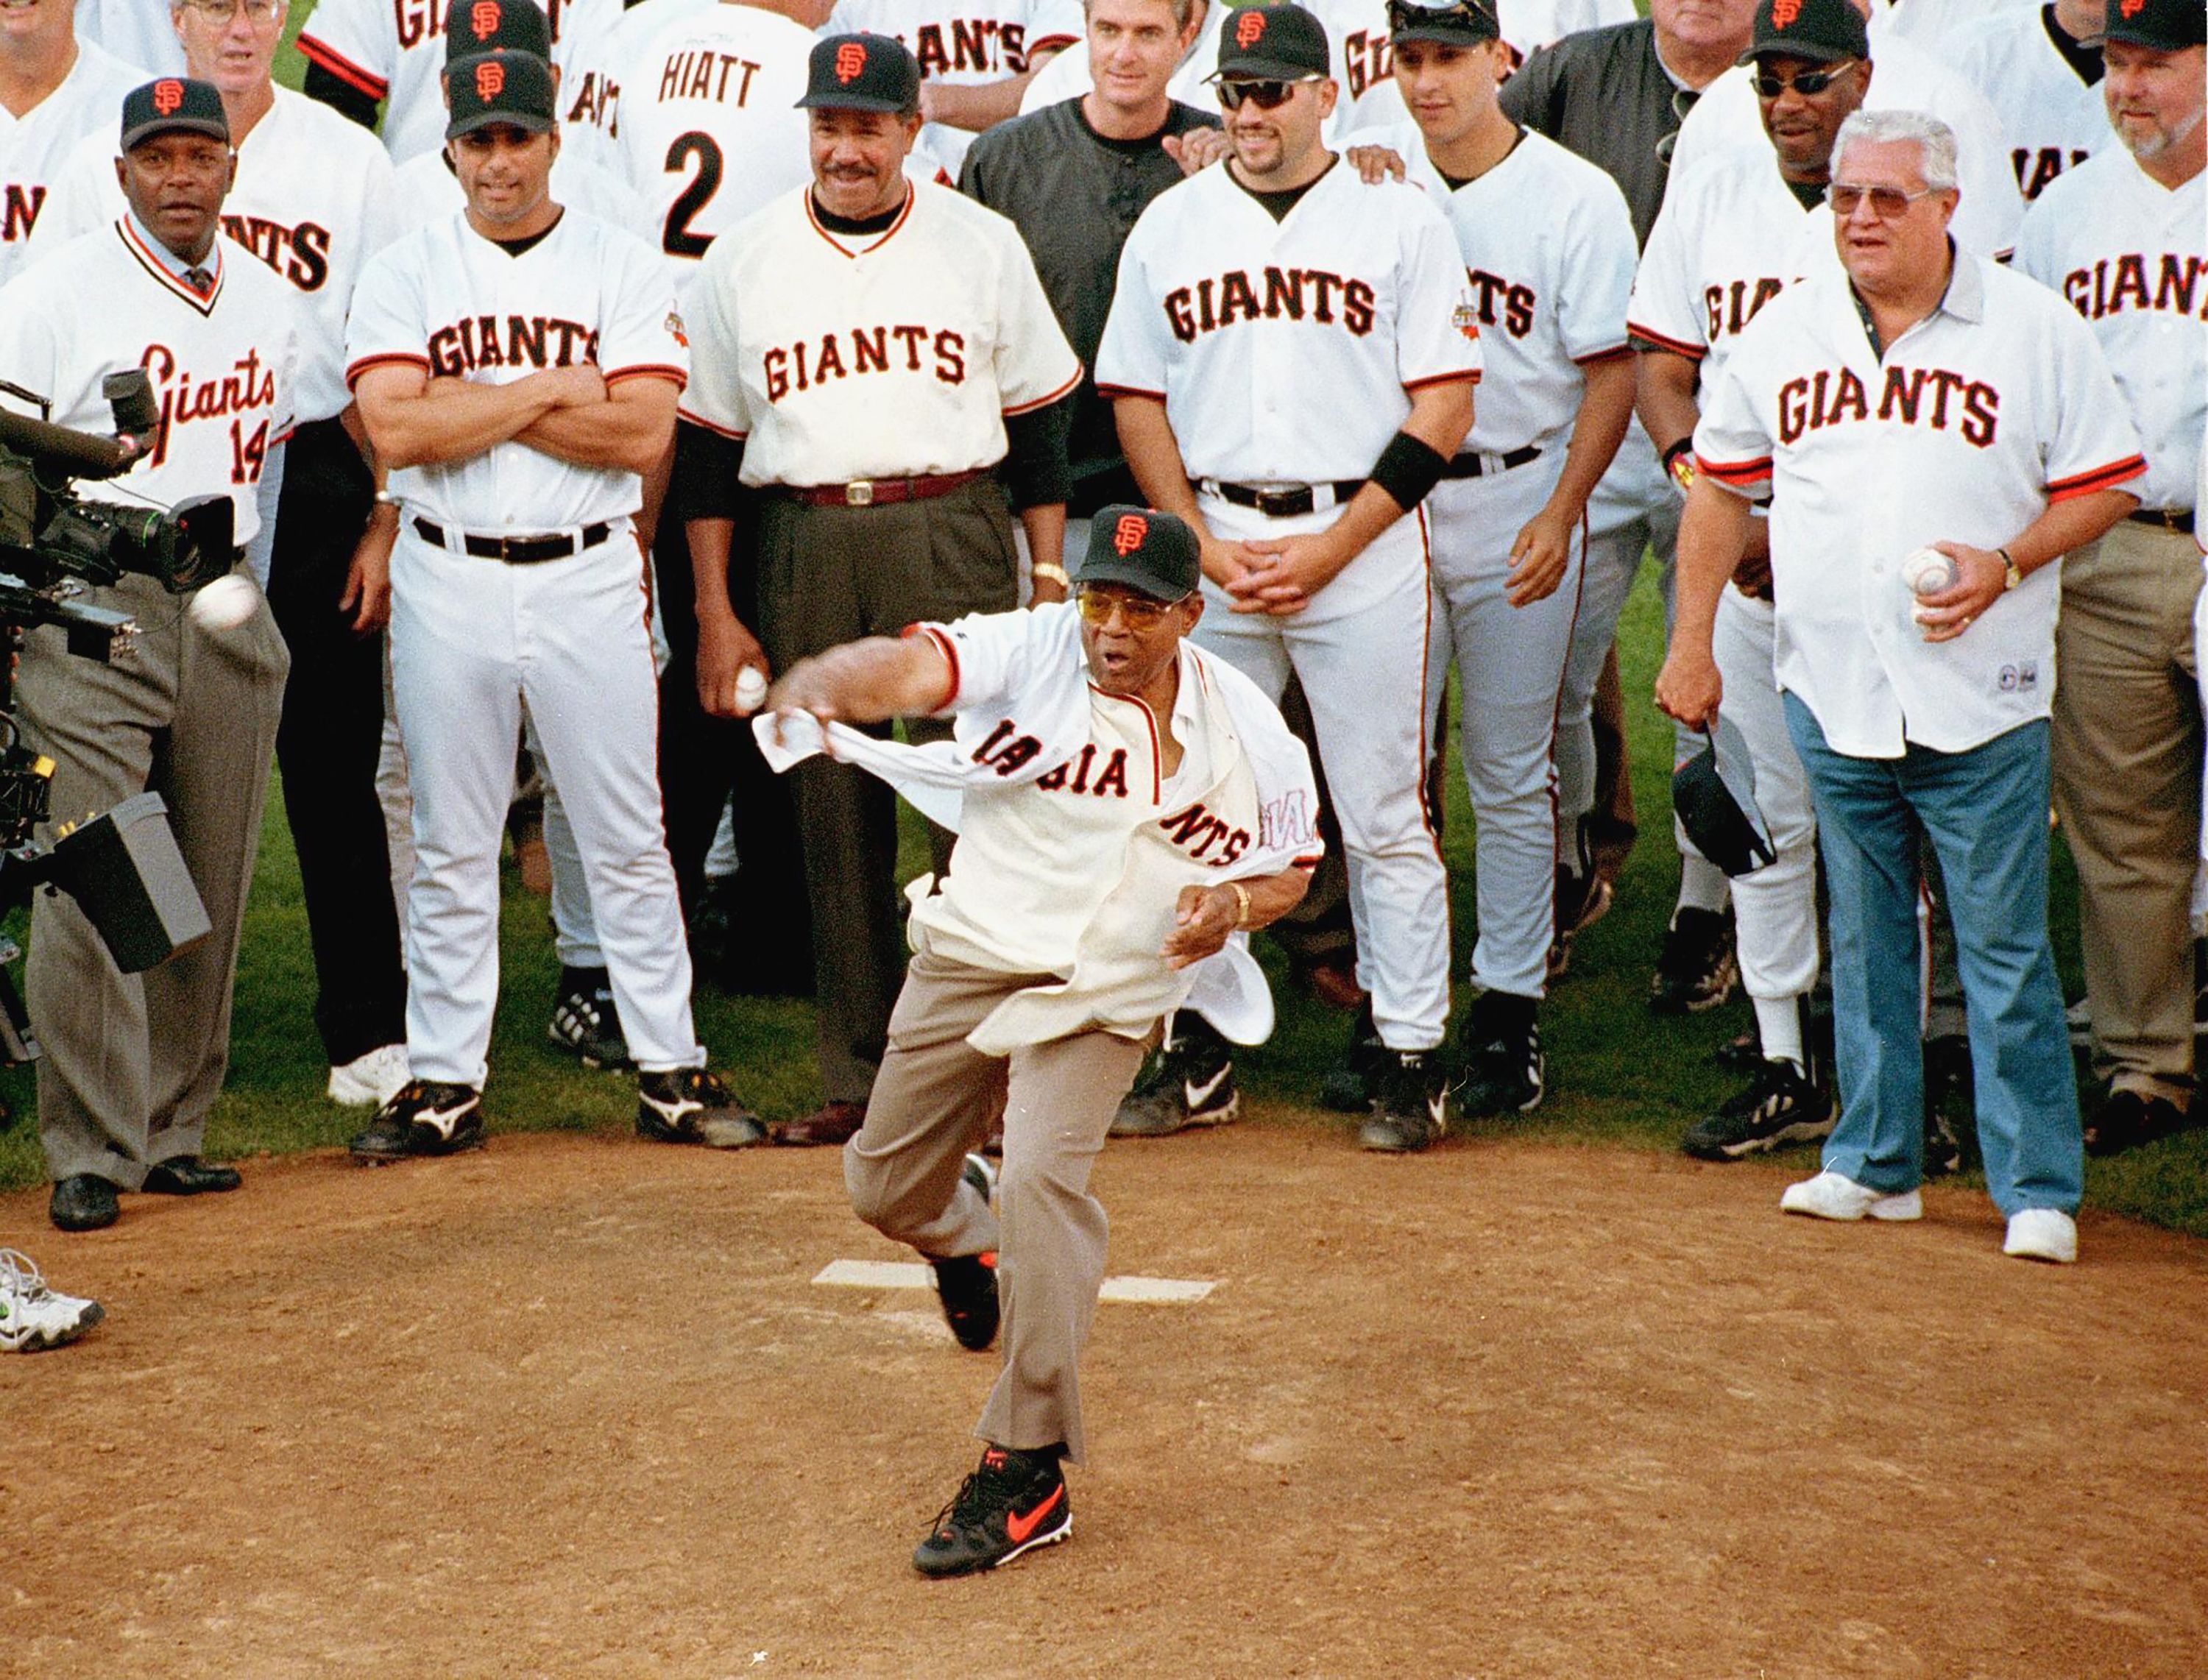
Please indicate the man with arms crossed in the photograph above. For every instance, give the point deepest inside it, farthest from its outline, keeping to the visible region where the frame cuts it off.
(1920, 397)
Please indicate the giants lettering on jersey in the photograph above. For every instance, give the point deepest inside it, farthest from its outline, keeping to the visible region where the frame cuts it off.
(1196, 830)
(1730, 308)
(2035, 170)
(2111, 286)
(1365, 61)
(534, 341)
(185, 400)
(19, 211)
(419, 20)
(1073, 776)
(872, 350)
(301, 255)
(974, 45)
(1516, 317)
(720, 77)
(1915, 396)
(1211, 304)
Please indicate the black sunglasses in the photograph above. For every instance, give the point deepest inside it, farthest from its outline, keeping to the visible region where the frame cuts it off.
(1265, 95)
(1809, 82)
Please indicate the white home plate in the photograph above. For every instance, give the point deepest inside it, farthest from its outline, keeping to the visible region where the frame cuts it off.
(915, 1275)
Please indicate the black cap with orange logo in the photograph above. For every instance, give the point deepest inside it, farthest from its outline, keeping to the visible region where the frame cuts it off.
(862, 73)
(496, 26)
(172, 103)
(1272, 43)
(1155, 553)
(2166, 25)
(513, 88)
(1820, 32)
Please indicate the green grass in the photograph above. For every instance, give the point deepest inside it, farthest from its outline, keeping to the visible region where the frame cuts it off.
(1619, 1077)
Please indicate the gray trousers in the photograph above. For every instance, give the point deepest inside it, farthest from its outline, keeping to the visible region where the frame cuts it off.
(133, 1062)
(831, 575)
(935, 1102)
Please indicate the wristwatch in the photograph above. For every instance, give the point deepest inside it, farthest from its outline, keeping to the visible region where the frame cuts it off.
(2011, 577)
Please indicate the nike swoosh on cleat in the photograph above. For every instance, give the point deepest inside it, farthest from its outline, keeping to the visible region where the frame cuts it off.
(1018, 1528)
(1196, 1094)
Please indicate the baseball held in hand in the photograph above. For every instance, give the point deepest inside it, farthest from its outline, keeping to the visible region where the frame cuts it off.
(1928, 572)
(225, 603)
(751, 689)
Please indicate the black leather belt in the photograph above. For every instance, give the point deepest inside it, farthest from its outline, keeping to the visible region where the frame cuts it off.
(518, 550)
(2178, 520)
(1287, 502)
(1475, 464)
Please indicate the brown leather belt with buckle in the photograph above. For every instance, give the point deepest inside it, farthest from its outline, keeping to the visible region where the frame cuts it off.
(880, 492)
(2177, 519)
(1287, 502)
(1477, 463)
(518, 550)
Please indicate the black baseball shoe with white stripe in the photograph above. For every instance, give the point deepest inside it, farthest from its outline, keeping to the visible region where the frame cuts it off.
(585, 1021)
(1505, 1071)
(1189, 1082)
(1410, 1105)
(1780, 1105)
(689, 1104)
(1013, 1503)
(1697, 969)
(427, 1116)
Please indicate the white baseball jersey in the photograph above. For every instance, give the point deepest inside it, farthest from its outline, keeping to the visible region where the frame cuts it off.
(709, 128)
(429, 192)
(447, 300)
(1903, 78)
(2132, 258)
(35, 147)
(964, 45)
(314, 198)
(138, 31)
(2052, 118)
(1976, 419)
(1548, 289)
(393, 50)
(1285, 351)
(221, 365)
(1730, 238)
(1364, 62)
(1927, 25)
(890, 355)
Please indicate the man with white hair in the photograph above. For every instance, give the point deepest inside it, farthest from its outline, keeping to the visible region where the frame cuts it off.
(1918, 408)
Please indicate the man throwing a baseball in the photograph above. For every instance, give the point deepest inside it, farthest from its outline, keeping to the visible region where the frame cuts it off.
(1124, 803)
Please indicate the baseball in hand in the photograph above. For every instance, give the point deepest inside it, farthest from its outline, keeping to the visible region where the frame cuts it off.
(225, 603)
(751, 689)
(1928, 572)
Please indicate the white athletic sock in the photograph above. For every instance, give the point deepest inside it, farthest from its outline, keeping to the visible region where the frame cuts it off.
(1779, 1027)
(1702, 885)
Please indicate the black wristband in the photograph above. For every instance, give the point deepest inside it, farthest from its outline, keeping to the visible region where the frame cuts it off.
(1407, 469)
(1677, 449)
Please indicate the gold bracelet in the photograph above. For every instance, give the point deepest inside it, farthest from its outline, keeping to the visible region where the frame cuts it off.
(1241, 904)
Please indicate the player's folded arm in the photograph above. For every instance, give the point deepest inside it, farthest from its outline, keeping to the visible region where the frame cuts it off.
(412, 424)
(630, 430)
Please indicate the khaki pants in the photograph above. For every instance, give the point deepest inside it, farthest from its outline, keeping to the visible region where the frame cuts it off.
(934, 1102)
(2126, 742)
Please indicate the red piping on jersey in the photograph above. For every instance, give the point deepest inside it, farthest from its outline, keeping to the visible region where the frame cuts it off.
(1045, 402)
(904, 215)
(355, 369)
(950, 653)
(1157, 758)
(1734, 473)
(1599, 355)
(1472, 378)
(362, 80)
(1657, 341)
(154, 266)
(695, 419)
(665, 370)
(1129, 391)
(2100, 478)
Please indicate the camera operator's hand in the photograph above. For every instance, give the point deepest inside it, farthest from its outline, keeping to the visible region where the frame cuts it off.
(368, 581)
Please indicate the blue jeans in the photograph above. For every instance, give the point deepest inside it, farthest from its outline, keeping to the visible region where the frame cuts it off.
(1985, 813)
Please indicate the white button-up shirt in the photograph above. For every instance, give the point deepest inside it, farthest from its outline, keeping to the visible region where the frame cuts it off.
(1973, 420)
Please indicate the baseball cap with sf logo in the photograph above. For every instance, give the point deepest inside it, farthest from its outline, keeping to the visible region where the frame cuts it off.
(512, 88)
(862, 73)
(1143, 548)
(1819, 32)
(1276, 43)
(171, 104)
(496, 26)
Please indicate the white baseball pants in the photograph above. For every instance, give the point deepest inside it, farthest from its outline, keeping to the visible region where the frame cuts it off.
(473, 641)
(1511, 664)
(1775, 908)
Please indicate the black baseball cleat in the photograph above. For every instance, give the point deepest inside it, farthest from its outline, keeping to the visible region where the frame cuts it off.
(1347, 1086)
(1581, 900)
(1189, 1082)
(966, 1284)
(1505, 1071)
(2127, 1120)
(1697, 969)
(1013, 1503)
(1780, 1104)
(1951, 1116)
(1410, 1103)
(690, 1105)
(585, 1021)
(425, 1118)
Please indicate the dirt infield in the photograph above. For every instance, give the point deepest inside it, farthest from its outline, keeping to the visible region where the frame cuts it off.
(573, 1407)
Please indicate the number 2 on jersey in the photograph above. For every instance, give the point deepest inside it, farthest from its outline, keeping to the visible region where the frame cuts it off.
(248, 454)
(678, 240)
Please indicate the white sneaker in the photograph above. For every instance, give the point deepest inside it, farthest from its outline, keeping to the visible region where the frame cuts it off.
(33, 1315)
(2042, 1234)
(1834, 1195)
(370, 1081)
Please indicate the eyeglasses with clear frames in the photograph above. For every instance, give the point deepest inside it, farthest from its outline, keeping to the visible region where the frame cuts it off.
(1889, 204)
(257, 12)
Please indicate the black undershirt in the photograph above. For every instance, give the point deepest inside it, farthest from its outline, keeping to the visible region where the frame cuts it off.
(1809, 194)
(1457, 183)
(529, 242)
(1279, 203)
(2085, 60)
(856, 225)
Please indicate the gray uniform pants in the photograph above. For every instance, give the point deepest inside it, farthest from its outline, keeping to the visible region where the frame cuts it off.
(831, 575)
(133, 1062)
(934, 1102)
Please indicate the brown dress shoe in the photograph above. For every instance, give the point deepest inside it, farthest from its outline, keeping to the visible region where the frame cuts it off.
(836, 1123)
